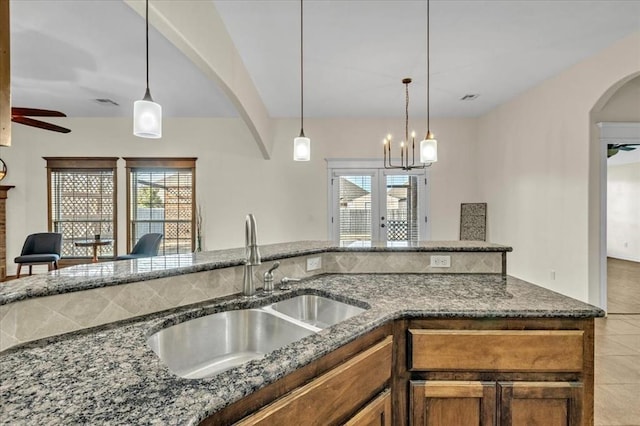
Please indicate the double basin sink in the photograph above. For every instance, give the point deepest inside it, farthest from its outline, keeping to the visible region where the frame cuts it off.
(208, 345)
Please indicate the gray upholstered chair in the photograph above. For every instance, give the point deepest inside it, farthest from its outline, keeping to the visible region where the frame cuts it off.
(146, 246)
(40, 248)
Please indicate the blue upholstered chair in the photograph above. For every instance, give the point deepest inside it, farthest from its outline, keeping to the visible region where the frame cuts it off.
(146, 246)
(38, 249)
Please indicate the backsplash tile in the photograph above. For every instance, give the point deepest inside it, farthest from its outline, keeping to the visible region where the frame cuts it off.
(40, 317)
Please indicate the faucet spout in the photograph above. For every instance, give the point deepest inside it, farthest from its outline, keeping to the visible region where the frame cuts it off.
(252, 255)
(252, 252)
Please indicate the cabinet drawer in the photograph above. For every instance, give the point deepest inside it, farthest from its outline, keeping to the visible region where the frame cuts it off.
(333, 396)
(496, 350)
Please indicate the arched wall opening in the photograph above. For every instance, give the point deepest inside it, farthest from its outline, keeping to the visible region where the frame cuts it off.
(598, 187)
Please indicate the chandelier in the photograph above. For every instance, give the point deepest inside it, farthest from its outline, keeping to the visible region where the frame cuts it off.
(428, 146)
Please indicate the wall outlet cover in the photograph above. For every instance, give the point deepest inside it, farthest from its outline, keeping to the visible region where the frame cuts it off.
(440, 261)
(314, 263)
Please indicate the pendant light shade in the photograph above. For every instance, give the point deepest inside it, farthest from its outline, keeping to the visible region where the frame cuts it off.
(147, 115)
(429, 149)
(147, 118)
(301, 144)
(302, 148)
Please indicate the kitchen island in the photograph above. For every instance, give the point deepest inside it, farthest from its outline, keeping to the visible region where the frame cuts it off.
(108, 374)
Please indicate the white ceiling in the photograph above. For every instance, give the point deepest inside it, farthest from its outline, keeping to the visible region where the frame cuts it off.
(65, 54)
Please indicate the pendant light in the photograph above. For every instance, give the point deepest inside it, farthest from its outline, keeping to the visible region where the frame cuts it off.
(429, 145)
(147, 115)
(301, 144)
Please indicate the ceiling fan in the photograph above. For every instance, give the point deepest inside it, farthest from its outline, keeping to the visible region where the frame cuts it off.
(613, 148)
(21, 115)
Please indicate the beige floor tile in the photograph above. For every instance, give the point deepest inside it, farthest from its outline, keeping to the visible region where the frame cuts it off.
(617, 370)
(629, 340)
(614, 325)
(605, 345)
(617, 405)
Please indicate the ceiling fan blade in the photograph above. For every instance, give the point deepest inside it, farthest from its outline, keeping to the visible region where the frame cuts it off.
(39, 124)
(35, 112)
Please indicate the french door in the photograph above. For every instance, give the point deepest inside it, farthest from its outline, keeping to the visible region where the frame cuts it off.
(374, 204)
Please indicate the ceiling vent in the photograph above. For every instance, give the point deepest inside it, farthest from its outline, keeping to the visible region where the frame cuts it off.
(105, 101)
(469, 97)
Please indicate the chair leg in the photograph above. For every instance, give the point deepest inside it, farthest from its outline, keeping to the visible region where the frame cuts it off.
(55, 265)
(19, 268)
(30, 269)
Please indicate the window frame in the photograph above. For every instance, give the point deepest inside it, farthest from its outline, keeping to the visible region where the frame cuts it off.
(161, 163)
(78, 164)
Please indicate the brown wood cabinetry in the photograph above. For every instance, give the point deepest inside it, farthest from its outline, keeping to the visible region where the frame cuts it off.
(452, 403)
(499, 372)
(375, 413)
(334, 396)
(475, 403)
(438, 372)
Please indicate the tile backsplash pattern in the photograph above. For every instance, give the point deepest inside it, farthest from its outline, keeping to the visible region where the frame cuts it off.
(411, 262)
(40, 317)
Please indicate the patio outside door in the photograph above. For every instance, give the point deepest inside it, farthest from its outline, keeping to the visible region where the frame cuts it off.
(378, 205)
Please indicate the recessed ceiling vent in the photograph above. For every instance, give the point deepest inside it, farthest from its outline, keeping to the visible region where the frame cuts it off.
(469, 97)
(105, 101)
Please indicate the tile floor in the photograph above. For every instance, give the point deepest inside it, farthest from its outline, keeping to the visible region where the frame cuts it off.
(617, 354)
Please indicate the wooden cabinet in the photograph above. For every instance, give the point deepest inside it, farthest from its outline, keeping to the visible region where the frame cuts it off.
(498, 372)
(375, 413)
(437, 403)
(334, 396)
(541, 403)
(475, 403)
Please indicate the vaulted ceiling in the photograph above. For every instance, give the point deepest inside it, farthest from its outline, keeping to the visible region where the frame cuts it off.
(67, 54)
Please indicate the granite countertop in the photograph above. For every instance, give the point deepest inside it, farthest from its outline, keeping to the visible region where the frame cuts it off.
(108, 375)
(95, 275)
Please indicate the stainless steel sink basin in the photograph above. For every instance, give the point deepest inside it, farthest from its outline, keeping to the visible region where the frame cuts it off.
(208, 345)
(316, 310)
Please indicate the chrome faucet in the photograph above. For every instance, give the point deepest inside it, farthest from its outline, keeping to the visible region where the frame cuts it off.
(252, 255)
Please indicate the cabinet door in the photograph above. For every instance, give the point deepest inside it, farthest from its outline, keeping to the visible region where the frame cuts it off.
(334, 396)
(540, 403)
(375, 413)
(460, 403)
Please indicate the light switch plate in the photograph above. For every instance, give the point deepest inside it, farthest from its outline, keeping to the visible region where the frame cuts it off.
(440, 261)
(314, 263)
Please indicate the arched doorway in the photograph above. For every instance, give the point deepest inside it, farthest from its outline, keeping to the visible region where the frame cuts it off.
(607, 109)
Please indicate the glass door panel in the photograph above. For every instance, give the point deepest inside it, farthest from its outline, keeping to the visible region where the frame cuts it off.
(355, 212)
(400, 212)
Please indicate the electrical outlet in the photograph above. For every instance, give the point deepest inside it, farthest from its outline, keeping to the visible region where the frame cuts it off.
(314, 263)
(440, 261)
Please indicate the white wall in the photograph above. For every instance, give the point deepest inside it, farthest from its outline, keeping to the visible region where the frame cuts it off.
(539, 173)
(623, 211)
(232, 179)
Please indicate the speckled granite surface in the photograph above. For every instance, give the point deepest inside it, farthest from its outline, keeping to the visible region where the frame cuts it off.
(108, 375)
(88, 276)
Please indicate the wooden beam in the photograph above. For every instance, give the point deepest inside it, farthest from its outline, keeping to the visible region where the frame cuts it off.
(5, 75)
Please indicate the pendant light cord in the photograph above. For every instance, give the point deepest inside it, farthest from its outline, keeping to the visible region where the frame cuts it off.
(147, 40)
(428, 91)
(406, 112)
(301, 69)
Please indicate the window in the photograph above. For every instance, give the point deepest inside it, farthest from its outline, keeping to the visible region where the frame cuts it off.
(82, 202)
(369, 203)
(161, 199)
